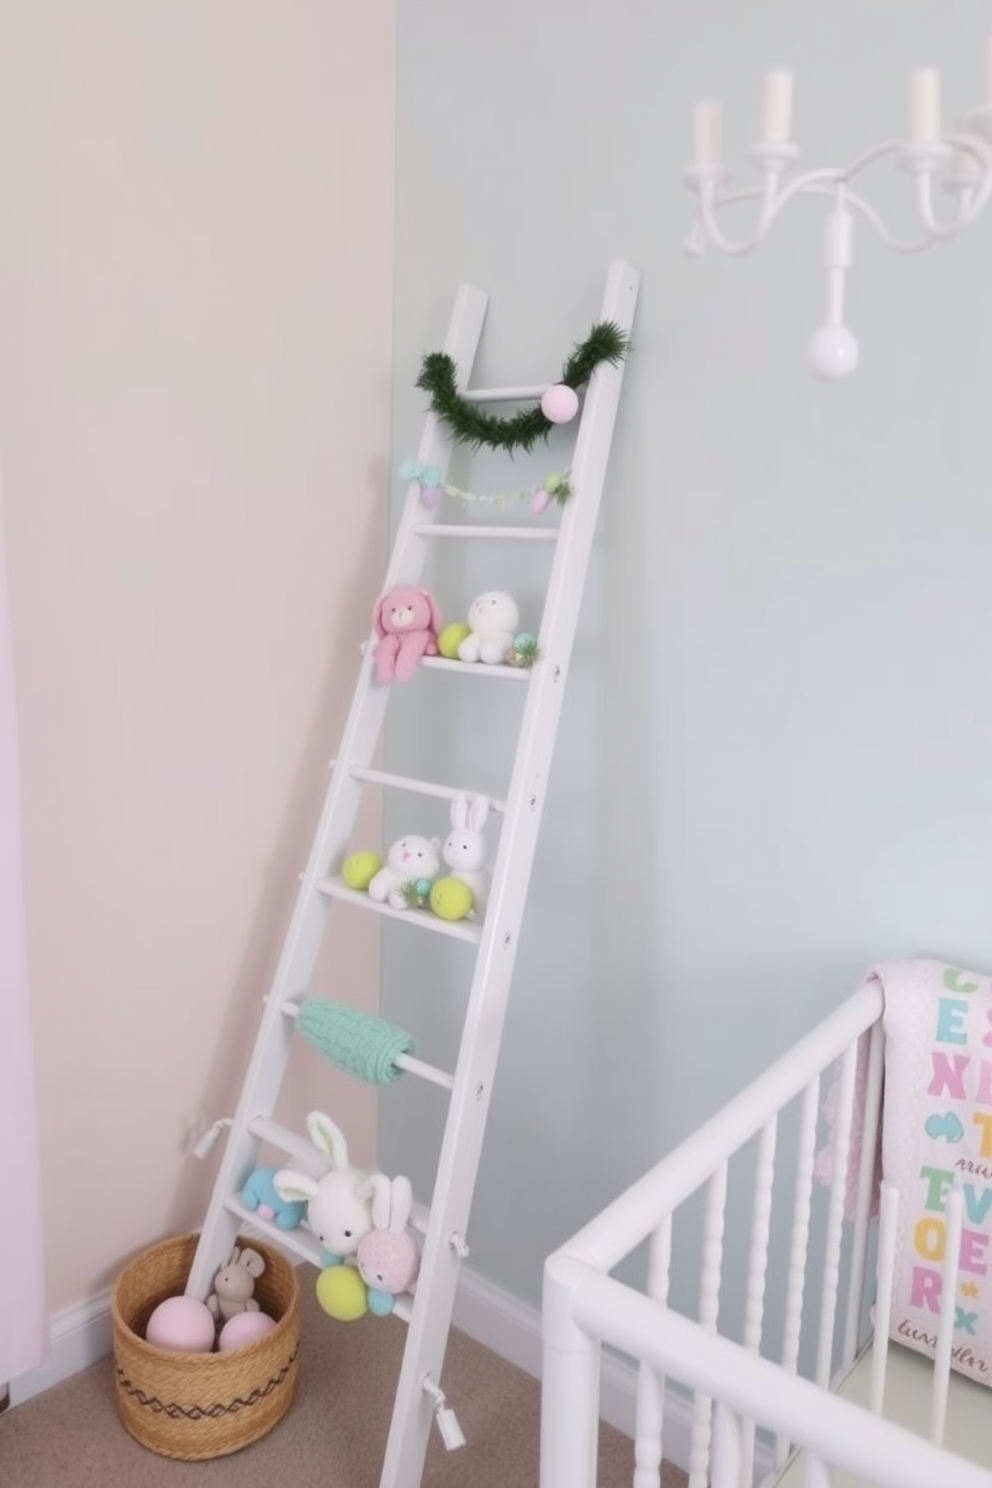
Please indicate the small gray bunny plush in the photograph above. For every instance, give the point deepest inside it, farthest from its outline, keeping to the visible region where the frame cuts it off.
(234, 1284)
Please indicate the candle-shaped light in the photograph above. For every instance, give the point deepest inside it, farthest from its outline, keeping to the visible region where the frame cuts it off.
(924, 106)
(776, 114)
(706, 133)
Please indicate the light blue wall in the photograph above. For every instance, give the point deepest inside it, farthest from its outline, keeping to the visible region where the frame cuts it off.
(774, 764)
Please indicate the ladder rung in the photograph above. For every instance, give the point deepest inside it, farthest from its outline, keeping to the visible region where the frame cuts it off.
(295, 1146)
(336, 888)
(428, 1072)
(419, 787)
(300, 1242)
(466, 529)
(505, 394)
(406, 1062)
(476, 668)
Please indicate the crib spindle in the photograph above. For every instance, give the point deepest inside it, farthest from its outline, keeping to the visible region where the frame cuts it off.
(817, 1474)
(945, 1324)
(885, 1270)
(710, 1273)
(799, 1242)
(757, 1271)
(834, 1235)
(650, 1407)
(726, 1458)
(871, 1111)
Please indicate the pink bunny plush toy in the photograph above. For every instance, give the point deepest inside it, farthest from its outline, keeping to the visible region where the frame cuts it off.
(388, 1256)
(406, 621)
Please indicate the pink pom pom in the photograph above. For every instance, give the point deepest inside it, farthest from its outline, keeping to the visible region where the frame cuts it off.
(560, 403)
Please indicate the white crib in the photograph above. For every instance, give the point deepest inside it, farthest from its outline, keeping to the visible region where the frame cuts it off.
(792, 1384)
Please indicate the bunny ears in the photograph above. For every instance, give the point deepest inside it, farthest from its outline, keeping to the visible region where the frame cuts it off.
(469, 811)
(392, 1201)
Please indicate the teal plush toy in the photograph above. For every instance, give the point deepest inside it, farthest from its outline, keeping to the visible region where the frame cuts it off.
(259, 1195)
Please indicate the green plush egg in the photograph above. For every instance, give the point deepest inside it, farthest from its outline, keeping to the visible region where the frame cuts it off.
(342, 1293)
(451, 638)
(451, 899)
(360, 869)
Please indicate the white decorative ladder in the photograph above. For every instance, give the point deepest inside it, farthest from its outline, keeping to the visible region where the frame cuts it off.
(428, 1310)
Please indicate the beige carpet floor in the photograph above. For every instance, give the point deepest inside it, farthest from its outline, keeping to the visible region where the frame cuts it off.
(333, 1436)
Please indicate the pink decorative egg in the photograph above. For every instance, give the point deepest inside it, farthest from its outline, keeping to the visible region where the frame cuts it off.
(182, 1324)
(244, 1328)
(560, 403)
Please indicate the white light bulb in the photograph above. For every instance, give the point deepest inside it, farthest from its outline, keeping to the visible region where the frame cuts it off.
(833, 353)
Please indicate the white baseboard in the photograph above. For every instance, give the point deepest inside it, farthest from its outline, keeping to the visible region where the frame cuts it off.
(82, 1335)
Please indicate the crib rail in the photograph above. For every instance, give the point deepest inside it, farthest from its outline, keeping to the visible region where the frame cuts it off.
(629, 1219)
(585, 1307)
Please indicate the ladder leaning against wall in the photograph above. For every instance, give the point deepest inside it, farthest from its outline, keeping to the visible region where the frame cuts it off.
(428, 1307)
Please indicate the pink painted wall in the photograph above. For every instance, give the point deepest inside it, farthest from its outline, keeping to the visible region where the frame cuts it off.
(195, 305)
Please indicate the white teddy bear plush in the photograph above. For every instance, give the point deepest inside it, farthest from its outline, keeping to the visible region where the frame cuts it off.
(409, 860)
(493, 618)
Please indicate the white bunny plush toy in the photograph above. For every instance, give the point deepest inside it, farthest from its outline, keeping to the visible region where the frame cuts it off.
(464, 849)
(339, 1203)
(493, 618)
(388, 1256)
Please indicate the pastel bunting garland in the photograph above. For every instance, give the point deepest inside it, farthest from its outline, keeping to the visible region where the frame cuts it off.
(432, 487)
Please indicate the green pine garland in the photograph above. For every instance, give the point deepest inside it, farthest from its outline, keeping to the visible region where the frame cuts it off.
(468, 423)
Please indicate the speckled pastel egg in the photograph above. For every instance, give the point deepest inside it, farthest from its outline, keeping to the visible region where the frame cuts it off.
(451, 899)
(342, 1293)
(451, 638)
(560, 403)
(244, 1328)
(183, 1325)
(360, 869)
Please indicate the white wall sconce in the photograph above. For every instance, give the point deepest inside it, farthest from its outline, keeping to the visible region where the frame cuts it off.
(959, 162)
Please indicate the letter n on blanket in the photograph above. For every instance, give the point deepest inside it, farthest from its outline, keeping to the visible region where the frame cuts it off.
(936, 1136)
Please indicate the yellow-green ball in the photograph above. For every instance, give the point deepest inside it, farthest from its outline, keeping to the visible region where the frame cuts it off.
(451, 899)
(451, 638)
(342, 1293)
(360, 869)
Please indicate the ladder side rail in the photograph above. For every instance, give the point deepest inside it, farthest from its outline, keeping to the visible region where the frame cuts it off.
(302, 942)
(479, 1049)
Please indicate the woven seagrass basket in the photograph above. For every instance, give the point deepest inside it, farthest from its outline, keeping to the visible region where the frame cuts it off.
(194, 1406)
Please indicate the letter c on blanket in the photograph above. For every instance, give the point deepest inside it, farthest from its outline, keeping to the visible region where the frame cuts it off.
(953, 982)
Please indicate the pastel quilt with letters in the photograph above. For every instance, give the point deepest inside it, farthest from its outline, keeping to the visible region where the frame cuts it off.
(937, 1135)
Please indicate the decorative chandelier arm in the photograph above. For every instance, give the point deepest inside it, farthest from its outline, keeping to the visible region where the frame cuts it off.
(960, 161)
(822, 183)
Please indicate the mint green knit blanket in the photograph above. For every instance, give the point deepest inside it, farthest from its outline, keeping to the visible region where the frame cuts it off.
(358, 1043)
